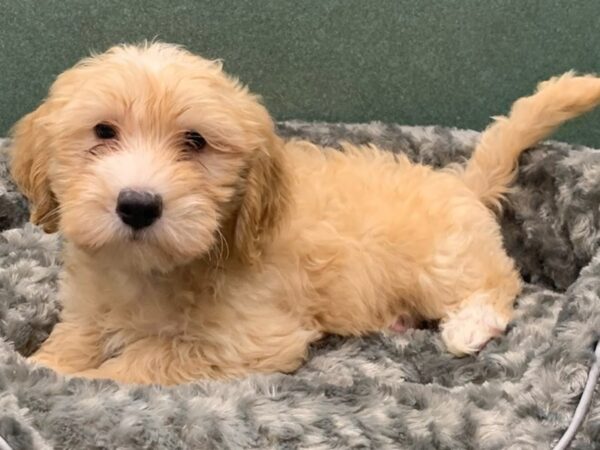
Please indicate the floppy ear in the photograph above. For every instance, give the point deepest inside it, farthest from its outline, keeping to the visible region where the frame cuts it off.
(29, 167)
(264, 202)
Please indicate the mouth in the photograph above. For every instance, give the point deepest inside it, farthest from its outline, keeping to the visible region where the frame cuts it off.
(135, 236)
(140, 236)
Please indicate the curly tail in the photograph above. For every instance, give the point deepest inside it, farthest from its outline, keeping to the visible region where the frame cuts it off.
(492, 167)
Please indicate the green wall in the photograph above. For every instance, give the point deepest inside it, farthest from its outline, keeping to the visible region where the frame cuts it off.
(448, 62)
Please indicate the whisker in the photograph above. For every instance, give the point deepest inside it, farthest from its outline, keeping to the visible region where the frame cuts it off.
(223, 246)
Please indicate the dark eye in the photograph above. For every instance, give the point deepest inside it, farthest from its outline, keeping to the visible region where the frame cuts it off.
(194, 140)
(105, 131)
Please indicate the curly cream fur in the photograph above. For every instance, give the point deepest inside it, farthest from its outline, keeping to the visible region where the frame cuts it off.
(264, 246)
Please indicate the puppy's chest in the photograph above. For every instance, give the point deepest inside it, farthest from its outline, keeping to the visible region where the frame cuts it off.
(136, 307)
(153, 312)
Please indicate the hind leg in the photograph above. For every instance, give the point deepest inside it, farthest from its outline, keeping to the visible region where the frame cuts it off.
(479, 284)
(470, 284)
(480, 317)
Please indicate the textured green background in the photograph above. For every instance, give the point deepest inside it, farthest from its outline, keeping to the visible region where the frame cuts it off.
(448, 62)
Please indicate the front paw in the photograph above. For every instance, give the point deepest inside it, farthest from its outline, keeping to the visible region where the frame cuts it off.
(59, 365)
(105, 373)
(90, 374)
(39, 360)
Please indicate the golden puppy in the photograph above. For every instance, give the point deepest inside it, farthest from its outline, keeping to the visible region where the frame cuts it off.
(200, 245)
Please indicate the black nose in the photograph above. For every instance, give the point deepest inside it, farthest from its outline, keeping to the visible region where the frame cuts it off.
(138, 209)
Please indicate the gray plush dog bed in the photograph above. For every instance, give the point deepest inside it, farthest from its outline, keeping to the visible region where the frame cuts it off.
(382, 391)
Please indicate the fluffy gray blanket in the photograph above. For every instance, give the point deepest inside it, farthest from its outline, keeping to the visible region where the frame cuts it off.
(382, 391)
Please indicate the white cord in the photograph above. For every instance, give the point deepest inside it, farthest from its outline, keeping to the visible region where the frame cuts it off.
(4, 445)
(584, 403)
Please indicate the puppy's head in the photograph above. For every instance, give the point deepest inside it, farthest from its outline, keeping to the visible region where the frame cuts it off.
(154, 156)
